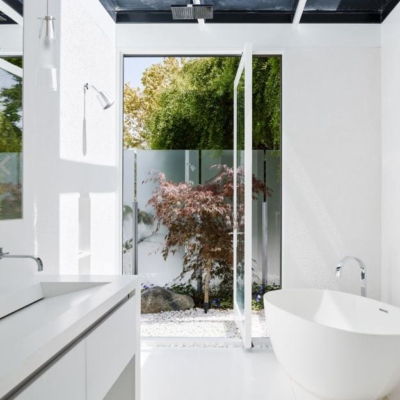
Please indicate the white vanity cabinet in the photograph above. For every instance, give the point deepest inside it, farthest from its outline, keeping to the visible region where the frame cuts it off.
(103, 364)
(109, 349)
(63, 380)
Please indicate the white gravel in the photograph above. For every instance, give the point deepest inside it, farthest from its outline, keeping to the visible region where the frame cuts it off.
(195, 323)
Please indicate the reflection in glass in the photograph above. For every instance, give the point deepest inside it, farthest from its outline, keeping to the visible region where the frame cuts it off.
(240, 194)
(10, 143)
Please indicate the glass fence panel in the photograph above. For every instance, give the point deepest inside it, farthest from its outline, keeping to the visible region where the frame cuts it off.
(267, 223)
(183, 166)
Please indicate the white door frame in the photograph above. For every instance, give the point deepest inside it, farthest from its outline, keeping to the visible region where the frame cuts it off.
(243, 320)
(184, 52)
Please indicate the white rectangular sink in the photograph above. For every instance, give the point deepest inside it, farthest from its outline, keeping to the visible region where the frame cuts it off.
(26, 309)
(16, 297)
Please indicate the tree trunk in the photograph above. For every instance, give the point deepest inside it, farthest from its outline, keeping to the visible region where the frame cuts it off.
(207, 286)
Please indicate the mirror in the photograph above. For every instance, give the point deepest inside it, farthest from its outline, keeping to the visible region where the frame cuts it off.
(11, 115)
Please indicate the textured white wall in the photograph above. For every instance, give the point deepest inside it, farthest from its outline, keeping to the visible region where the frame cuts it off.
(39, 130)
(230, 38)
(331, 167)
(331, 137)
(56, 172)
(391, 158)
(89, 160)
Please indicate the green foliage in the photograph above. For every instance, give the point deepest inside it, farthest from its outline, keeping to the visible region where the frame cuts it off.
(11, 114)
(221, 294)
(140, 103)
(126, 212)
(17, 61)
(188, 290)
(258, 292)
(10, 201)
(143, 218)
(193, 108)
(183, 288)
(267, 103)
(127, 246)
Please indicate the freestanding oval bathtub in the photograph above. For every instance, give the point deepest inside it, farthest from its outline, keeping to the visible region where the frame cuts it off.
(335, 345)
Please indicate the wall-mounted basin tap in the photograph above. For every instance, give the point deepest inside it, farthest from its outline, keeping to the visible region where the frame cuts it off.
(36, 259)
(363, 271)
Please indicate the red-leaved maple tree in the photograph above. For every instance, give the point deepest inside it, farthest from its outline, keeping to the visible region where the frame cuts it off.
(200, 218)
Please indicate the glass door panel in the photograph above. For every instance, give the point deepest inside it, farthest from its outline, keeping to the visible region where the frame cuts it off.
(242, 202)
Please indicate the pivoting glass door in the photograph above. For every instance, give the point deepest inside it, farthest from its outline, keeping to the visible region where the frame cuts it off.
(242, 199)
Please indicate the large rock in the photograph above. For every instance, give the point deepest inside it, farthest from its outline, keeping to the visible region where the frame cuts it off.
(158, 299)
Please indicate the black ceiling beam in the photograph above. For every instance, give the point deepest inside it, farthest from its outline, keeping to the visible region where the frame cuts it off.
(251, 17)
(148, 17)
(335, 17)
(220, 17)
(254, 17)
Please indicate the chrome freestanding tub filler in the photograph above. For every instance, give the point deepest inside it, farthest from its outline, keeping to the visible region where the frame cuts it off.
(335, 345)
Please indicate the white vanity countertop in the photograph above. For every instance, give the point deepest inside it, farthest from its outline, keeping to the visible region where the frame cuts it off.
(31, 337)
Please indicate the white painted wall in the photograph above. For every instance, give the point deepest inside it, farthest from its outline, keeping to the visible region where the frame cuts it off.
(391, 158)
(331, 140)
(19, 236)
(331, 167)
(88, 160)
(331, 137)
(56, 172)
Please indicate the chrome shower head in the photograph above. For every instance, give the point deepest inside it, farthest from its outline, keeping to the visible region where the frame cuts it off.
(104, 100)
(192, 11)
(203, 11)
(182, 12)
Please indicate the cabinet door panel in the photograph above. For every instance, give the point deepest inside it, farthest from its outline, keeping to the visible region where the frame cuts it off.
(63, 380)
(109, 348)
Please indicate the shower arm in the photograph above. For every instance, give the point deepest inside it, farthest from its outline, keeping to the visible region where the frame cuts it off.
(87, 86)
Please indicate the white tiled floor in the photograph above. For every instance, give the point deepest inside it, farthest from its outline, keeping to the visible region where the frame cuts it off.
(218, 374)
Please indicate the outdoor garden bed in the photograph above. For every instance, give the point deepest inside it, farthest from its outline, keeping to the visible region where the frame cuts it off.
(194, 323)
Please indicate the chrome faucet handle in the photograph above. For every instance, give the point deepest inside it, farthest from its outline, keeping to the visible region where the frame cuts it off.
(2, 252)
(362, 269)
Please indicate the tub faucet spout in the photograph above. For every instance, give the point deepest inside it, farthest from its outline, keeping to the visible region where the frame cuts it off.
(362, 268)
(38, 261)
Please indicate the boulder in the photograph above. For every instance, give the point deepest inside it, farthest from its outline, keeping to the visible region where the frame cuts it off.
(158, 299)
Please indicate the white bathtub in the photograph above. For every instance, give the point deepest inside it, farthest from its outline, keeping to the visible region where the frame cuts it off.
(335, 345)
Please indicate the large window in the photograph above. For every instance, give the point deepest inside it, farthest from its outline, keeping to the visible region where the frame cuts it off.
(178, 176)
(10, 138)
